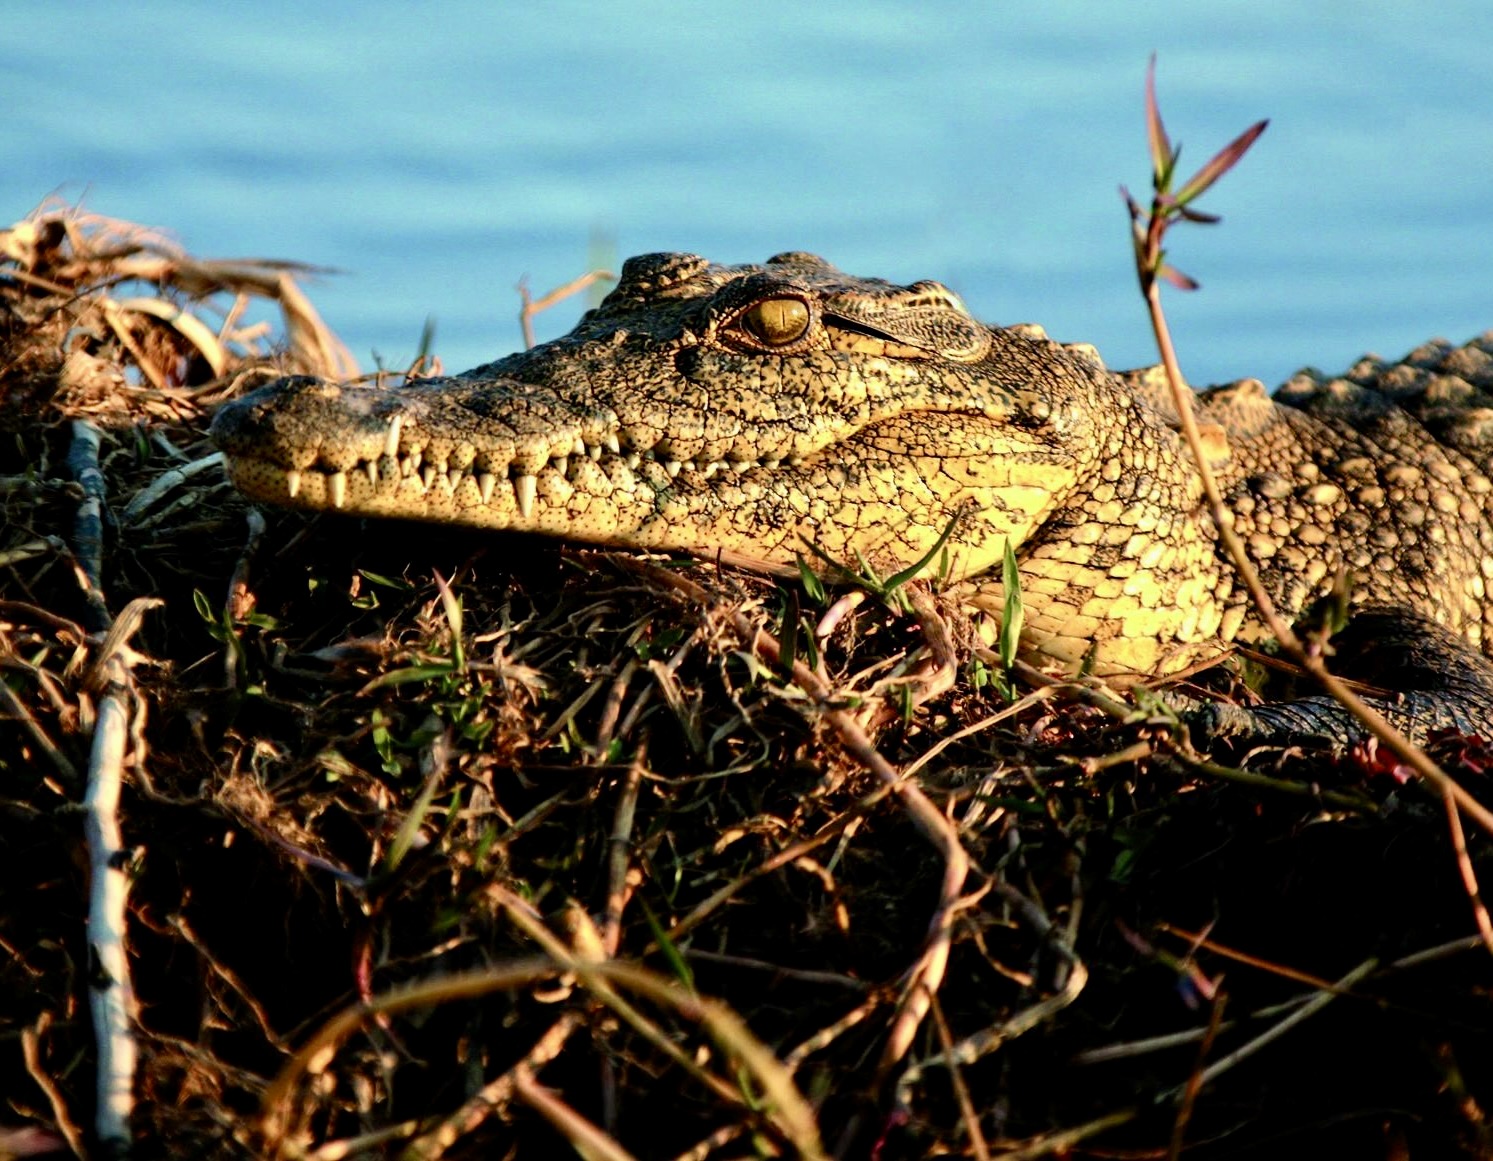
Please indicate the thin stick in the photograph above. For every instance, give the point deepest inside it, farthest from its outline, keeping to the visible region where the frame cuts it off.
(1195, 1081)
(168, 480)
(1019, 706)
(111, 998)
(1198, 939)
(523, 917)
(967, 1111)
(493, 1096)
(987, 1040)
(240, 599)
(830, 1032)
(317, 1054)
(1062, 1140)
(620, 846)
(712, 1144)
(1308, 1009)
(16, 710)
(31, 1055)
(833, 979)
(588, 1140)
(1469, 876)
(531, 307)
(611, 710)
(88, 524)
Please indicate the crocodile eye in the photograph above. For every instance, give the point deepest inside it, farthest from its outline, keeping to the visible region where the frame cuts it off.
(776, 322)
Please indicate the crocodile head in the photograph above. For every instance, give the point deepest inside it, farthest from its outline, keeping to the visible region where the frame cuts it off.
(748, 409)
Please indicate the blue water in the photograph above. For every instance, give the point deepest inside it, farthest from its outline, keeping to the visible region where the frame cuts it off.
(436, 153)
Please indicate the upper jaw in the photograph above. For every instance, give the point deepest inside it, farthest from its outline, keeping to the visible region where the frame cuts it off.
(315, 444)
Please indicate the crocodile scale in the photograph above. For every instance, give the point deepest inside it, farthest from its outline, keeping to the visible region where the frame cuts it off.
(751, 410)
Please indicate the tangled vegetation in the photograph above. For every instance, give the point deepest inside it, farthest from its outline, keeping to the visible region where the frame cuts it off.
(439, 843)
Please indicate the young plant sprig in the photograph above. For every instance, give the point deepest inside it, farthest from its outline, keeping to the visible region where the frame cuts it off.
(1169, 208)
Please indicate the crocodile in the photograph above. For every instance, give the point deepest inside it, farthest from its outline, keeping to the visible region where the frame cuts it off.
(758, 411)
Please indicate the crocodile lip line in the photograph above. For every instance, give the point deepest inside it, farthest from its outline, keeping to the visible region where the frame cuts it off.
(392, 472)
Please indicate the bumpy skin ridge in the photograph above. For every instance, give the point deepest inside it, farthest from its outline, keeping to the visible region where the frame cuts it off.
(751, 409)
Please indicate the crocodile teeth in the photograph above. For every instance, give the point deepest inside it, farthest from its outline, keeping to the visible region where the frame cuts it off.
(672, 467)
(614, 445)
(427, 474)
(292, 483)
(337, 488)
(633, 460)
(711, 468)
(578, 448)
(561, 464)
(391, 437)
(455, 476)
(370, 469)
(525, 488)
(486, 482)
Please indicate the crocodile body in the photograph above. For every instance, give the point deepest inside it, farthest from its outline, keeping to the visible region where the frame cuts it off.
(748, 410)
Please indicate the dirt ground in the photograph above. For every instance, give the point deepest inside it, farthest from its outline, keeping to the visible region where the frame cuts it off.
(467, 845)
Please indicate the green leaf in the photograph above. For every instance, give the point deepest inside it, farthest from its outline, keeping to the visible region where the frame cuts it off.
(788, 633)
(897, 580)
(671, 952)
(398, 583)
(383, 743)
(409, 826)
(1013, 614)
(812, 584)
(415, 673)
(427, 340)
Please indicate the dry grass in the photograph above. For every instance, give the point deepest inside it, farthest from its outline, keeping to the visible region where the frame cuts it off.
(562, 849)
(110, 320)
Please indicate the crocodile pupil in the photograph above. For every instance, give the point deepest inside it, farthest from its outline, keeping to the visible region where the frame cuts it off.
(777, 321)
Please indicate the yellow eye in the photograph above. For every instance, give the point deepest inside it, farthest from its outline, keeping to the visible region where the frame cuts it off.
(776, 322)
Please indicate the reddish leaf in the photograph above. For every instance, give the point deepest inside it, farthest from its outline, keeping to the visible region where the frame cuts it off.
(1375, 761)
(1163, 160)
(1174, 276)
(1468, 753)
(1223, 161)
